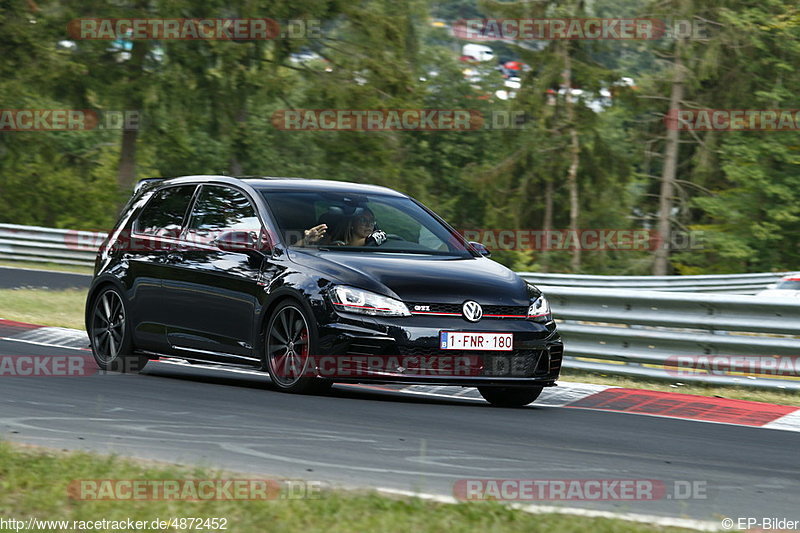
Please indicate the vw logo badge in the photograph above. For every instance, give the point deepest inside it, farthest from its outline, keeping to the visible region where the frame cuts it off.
(472, 311)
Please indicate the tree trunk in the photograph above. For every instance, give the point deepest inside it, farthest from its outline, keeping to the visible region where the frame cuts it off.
(574, 152)
(127, 160)
(235, 166)
(661, 255)
(240, 120)
(547, 223)
(126, 174)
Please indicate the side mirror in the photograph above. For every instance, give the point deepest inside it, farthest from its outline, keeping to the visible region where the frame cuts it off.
(237, 241)
(481, 249)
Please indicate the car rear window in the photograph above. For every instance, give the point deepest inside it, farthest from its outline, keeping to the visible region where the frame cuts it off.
(164, 213)
(219, 209)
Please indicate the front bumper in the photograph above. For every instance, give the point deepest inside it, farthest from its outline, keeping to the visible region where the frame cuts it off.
(406, 350)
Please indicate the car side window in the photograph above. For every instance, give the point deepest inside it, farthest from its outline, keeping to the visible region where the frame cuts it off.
(220, 209)
(163, 214)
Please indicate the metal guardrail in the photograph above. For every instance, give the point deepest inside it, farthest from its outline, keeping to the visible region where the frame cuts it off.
(610, 324)
(49, 245)
(680, 337)
(722, 283)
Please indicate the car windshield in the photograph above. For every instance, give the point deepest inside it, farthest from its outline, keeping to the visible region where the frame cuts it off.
(792, 284)
(360, 222)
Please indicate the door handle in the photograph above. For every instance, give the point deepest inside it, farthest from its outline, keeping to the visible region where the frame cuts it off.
(174, 258)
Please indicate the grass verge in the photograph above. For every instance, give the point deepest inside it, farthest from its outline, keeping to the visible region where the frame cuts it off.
(35, 484)
(35, 265)
(44, 307)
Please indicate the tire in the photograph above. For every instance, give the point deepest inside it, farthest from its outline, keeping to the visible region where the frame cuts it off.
(110, 334)
(510, 396)
(289, 338)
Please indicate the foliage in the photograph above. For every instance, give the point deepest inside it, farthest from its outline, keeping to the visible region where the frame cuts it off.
(208, 107)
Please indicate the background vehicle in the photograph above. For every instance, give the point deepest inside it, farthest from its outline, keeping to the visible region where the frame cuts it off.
(787, 287)
(479, 52)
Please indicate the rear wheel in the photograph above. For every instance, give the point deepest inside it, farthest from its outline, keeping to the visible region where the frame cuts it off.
(110, 335)
(290, 340)
(510, 396)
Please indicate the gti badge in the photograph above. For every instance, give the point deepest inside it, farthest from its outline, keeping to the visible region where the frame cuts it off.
(472, 310)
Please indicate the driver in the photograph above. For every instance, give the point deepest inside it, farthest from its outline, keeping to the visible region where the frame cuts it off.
(359, 229)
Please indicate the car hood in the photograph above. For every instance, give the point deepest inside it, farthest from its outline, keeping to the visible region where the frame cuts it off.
(422, 278)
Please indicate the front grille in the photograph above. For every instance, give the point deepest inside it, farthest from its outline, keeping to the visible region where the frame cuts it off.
(515, 363)
(423, 351)
(505, 311)
(489, 311)
(364, 348)
(556, 356)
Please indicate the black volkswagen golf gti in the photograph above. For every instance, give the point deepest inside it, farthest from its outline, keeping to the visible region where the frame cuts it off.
(314, 282)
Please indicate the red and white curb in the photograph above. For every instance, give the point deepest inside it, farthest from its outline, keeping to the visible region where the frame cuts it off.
(689, 407)
(22, 332)
(646, 402)
(567, 394)
(788, 422)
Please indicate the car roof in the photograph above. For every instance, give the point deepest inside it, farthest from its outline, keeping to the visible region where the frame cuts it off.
(289, 184)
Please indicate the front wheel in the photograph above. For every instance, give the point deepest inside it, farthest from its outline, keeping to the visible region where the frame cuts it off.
(290, 340)
(110, 335)
(510, 396)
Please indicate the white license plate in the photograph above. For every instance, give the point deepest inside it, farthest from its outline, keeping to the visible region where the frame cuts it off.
(460, 340)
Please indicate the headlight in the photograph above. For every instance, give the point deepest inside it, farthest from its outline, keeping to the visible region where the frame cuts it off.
(366, 303)
(540, 309)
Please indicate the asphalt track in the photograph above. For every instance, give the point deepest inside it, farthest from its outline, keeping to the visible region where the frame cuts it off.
(16, 278)
(357, 437)
(368, 438)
